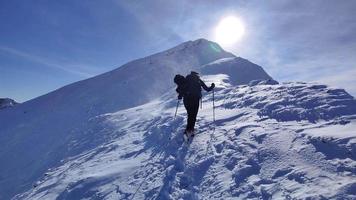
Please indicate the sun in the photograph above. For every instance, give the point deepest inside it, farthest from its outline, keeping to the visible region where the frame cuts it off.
(229, 31)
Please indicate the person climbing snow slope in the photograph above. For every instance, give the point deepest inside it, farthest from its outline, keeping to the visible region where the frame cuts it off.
(189, 88)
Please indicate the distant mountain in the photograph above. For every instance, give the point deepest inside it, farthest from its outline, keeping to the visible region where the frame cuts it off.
(7, 102)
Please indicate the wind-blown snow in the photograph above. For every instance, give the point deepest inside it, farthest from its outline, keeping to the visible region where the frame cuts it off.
(114, 136)
(241, 155)
(295, 102)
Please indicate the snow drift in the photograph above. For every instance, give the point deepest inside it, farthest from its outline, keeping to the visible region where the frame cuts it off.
(240, 156)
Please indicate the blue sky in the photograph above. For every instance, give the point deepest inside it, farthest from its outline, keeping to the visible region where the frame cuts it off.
(45, 45)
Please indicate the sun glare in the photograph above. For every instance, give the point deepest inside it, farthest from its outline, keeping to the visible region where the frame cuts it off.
(229, 31)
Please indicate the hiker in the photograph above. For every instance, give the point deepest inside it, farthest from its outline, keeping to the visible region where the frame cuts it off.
(189, 88)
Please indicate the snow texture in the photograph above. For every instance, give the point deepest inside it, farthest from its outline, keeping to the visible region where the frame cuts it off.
(269, 140)
(241, 155)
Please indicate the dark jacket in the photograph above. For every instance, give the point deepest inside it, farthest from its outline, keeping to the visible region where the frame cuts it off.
(192, 87)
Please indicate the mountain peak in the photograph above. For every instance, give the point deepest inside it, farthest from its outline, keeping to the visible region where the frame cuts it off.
(203, 41)
(199, 41)
(206, 51)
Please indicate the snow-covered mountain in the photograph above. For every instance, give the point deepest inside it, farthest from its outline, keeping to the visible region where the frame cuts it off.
(7, 103)
(114, 136)
(40, 132)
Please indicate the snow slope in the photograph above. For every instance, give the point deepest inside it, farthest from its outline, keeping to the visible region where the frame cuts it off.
(239, 70)
(38, 134)
(254, 150)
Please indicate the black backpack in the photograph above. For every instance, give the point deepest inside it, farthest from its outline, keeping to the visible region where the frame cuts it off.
(193, 85)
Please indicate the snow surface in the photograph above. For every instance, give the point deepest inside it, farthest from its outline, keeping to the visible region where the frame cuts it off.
(241, 155)
(39, 133)
(240, 70)
(114, 136)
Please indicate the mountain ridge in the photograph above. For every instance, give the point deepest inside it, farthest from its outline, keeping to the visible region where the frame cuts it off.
(107, 127)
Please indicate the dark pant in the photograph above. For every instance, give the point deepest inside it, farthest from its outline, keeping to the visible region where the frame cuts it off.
(191, 104)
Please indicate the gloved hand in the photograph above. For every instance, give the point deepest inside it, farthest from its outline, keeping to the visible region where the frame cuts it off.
(180, 97)
(212, 86)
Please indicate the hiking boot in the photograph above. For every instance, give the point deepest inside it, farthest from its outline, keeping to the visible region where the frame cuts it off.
(190, 132)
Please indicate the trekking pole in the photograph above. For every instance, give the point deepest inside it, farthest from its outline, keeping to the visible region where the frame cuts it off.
(213, 107)
(176, 108)
(201, 103)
